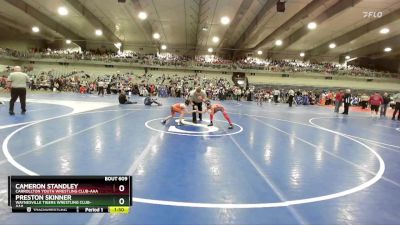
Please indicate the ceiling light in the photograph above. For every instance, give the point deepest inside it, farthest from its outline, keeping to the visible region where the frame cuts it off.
(215, 39)
(68, 41)
(142, 15)
(205, 29)
(163, 47)
(35, 29)
(347, 57)
(384, 30)
(259, 52)
(156, 36)
(210, 50)
(225, 20)
(332, 45)
(278, 42)
(118, 45)
(62, 11)
(98, 32)
(387, 49)
(312, 25)
(302, 54)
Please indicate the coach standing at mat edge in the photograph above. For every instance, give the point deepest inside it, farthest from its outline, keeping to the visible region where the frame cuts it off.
(197, 97)
(17, 81)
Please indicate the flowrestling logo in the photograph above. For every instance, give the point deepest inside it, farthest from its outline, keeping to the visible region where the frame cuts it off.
(372, 14)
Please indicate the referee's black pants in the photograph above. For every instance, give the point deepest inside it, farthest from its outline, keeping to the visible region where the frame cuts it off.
(396, 110)
(346, 108)
(15, 94)
(200, 108)
(276, 98)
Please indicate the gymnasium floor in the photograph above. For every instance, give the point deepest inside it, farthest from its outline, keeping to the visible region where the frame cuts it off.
(279, 165)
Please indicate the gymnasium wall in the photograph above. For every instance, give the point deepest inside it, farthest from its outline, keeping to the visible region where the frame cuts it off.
(20, 44)
(10, 38)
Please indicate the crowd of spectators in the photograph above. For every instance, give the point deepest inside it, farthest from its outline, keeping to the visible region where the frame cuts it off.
(210, 61)
(313, 96)
(173, 85)
(294, 66)
(147, 84)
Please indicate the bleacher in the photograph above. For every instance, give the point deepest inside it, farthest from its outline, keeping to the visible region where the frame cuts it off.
(209, 63)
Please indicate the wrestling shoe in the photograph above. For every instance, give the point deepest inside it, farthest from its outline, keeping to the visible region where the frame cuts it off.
(211, 124)
(230, 126)
(163, 122)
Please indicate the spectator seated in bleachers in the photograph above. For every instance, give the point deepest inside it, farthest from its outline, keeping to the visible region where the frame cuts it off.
(167, 59)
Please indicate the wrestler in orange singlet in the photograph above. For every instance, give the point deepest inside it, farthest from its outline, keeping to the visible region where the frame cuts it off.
(178, 108)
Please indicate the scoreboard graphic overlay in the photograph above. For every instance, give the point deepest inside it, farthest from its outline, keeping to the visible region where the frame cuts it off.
(86, 194)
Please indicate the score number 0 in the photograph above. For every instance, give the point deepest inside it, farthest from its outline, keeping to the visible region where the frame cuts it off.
(121, 188)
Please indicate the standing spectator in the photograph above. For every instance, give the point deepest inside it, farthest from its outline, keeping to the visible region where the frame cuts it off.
(291, 96)
(322, 99)
(338, 100)
(248, 95)
(259, 98)
(17, 81)
(100, 87)
(197, 97)
(108, 88)
(328, 98)
(385, 104)
(32, 85)
(375, 100)
(347, 101)
(238, 93)
(396, 99)
(82, 89)
(276, 93)
(282, 96)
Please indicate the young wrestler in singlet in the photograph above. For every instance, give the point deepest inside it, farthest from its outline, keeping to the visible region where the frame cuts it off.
(181, 108)
(214, 108)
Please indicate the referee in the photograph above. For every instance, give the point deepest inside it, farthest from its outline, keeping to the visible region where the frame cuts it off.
(197, 97)
(17, 81)
(347, 101)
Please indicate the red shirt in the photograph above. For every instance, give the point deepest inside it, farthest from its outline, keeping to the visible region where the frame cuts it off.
(376, 99)
(339, 97)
